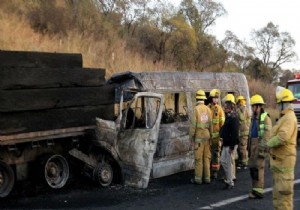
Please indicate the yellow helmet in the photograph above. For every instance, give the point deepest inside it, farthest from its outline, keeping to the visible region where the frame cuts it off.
(239, 98)
(200, 94)
(214, 93)
(256, 99)
(284, 95)
(229, 98)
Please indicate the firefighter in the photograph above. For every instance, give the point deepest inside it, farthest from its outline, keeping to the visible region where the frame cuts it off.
(218, 119)
(282, 146)
(260, 131)
(200, 134)
(230, 137)
(244, 124)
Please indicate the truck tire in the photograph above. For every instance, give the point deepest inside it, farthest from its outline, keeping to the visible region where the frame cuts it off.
(56, 170)
(103, 174)
(7, 179)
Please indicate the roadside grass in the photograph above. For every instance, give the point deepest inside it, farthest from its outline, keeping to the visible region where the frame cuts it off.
(112, 54)
(266, 90)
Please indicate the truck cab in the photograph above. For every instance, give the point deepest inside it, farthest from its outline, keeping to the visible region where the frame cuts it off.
(294, 86)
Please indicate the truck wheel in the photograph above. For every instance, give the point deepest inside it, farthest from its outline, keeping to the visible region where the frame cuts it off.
(7, 179)
(103, 174)
(56, 171)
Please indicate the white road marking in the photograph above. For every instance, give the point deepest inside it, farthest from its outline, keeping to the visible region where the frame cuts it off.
(236, 199)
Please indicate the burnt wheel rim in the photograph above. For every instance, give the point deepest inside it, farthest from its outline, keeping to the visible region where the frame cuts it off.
(56, 171)
(7, 179)
(103, 174)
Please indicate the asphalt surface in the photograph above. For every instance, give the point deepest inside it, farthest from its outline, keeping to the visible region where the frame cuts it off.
(172, 192)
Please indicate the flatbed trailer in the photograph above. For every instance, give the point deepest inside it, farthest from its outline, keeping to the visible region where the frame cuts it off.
(41, 154)
(49, 104)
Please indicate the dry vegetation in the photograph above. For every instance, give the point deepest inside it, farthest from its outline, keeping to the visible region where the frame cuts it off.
(16, 34)
(112, 53)
(266, 90)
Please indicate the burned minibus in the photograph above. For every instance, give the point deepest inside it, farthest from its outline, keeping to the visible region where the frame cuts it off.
(150, 136)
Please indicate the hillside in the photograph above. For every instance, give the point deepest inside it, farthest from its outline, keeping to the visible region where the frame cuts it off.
(160, 39)
(17, 34)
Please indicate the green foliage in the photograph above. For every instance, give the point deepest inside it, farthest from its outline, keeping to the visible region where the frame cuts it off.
(161, 33)
(201, 14)
(257, 70)
(182, 43)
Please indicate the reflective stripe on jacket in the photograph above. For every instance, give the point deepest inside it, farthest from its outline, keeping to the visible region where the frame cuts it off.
(283, 143)
(200, 129)
(218, 119)
(262, 125)
(264, 128)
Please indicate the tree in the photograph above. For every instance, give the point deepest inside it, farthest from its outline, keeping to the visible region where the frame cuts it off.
(257, 70)
(183, 42)
(209, 55)
(238, 53)
(156, 29)
(273, 48)
(201, 14)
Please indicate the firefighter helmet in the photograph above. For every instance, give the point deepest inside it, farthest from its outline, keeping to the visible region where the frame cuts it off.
(284, 95)
(200, 94)
(229, 98)
(215, 93)
(256, 99)
(239, 98)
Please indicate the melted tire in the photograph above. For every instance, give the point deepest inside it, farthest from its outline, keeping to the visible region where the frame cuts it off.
(103, 174)
(7, 179)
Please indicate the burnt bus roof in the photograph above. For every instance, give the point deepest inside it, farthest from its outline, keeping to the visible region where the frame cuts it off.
(181, 81)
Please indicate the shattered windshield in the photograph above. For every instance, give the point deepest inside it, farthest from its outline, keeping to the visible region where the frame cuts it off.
(295, 88)
(142, 112)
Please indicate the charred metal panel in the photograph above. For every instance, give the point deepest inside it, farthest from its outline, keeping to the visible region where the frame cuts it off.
(173, 139)
(173, 153)
(106, 131)
(171, 165)
(136, 176)
(134, 147)
(132, 143)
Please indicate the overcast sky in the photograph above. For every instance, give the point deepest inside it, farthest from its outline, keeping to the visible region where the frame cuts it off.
(246, 15)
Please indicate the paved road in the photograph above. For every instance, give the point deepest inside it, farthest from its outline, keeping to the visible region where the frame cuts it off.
(173, 192)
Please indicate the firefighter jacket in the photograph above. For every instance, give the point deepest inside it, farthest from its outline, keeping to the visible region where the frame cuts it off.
(200, 129)
(264, 126)
(244, 120)
(218, 118)
(230, 130)
(283, 142)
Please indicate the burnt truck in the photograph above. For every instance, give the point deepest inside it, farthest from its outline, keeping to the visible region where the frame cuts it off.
(150, 136)
(131, 128)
